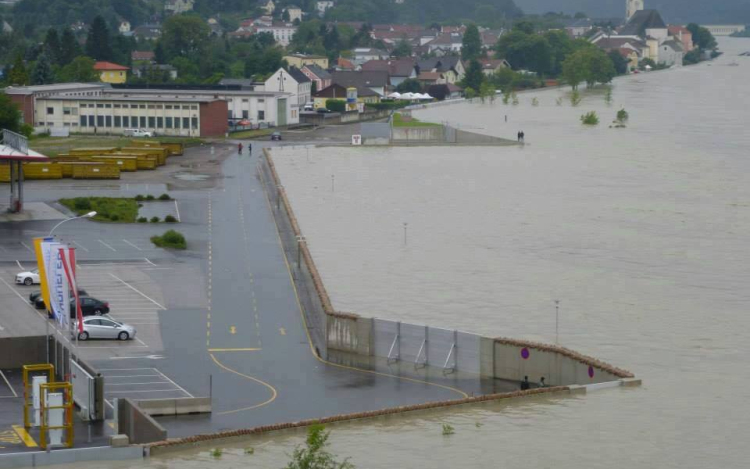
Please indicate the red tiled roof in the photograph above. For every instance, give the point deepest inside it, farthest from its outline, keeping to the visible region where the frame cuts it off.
(108, 66)
(142, 55)
(345, 63)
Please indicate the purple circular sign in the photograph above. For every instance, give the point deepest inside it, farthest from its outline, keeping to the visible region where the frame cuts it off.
(525, 353)
(591, 371)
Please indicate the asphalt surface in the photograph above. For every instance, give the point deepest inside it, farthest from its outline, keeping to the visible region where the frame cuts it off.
(220, 319)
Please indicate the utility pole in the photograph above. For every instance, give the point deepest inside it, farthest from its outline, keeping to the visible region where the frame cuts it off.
(557, 322)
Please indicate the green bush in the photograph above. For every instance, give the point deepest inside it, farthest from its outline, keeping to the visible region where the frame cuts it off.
(387, 105)
(114, 217)
(142, 220)
(590, 118)
(155, 220)
(139, 197)
(170, 219)
(150, 197)
(170, 239)
(165, 197)
(336, 105)
(82, 203)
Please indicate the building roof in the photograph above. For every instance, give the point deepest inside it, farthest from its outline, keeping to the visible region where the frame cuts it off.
(615, 42)
(369, 51)
(493, 64)
(441, 64)
(446, 39)
(429, 76)
(245, 83)
(305, 56)
(337, 91)
(395, 68)
(674, 30)
(361, 79)
(142, 55)
(298, 75)
(109, 66)
(643, 20)
(675, 45)
(345, 63)
(318, 71)
(54, 88)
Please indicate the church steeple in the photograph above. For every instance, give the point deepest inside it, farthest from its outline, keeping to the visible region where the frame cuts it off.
(632, 6)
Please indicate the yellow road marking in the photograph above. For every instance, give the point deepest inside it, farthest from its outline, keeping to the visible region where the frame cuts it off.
(282, 331)
(271, 388)
(233, 349)
(232, 330)
(25, 437)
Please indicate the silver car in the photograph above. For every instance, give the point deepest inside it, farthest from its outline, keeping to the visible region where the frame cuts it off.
(101, 327)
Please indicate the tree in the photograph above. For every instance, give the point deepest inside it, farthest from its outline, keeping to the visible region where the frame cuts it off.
(702, 37)
(474, 76)
(52, 46)
(580, 16)
(524, 26)
(285, 15)
(471, 47)
(69, 47)
(81, 69)
(314, 455)
(97, 41)
(159, 53)
(18, 74)
(184, 36)
(402, 49)
(42, 74)
(692, 57)
(10, 115)
(410, 85)
(525, 51)
(620, 63)
(591, 65)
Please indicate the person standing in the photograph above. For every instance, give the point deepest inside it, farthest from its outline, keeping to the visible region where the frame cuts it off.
(519, 136)
(239, 148)
(525, 383)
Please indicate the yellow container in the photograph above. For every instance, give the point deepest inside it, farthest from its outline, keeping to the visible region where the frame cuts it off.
(160, 152)
(126, 163)
(96, 171)
(175, 148)
(92, 151)
(4, 172)
(42, 171)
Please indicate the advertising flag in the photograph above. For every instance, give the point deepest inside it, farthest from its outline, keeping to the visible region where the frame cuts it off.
(41, 265)
(68, 257)
(58, 283)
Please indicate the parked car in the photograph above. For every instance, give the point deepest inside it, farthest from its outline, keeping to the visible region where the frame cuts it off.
(27, 278)
(137, 133)
(38, 302)
(89, 307)
(276, 136)
(103, 328)
(309, 107)
(323, 110)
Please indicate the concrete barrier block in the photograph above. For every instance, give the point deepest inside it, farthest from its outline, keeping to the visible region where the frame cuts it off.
(158, 406)
(119, 441)
(575, 389)
(194, 405)
(630, 382)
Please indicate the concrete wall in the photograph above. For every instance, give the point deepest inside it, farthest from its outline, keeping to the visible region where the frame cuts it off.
(138, 425)
(418, 134)
(471, 138)
(349, 333)
(18, 351)
(179, 406)
(70, 456)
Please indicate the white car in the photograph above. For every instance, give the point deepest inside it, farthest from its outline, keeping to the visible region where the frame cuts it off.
(28, 278)
(102, 327)
(138, 133)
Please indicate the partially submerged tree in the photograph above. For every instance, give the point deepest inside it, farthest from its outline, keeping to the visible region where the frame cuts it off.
(314, 454)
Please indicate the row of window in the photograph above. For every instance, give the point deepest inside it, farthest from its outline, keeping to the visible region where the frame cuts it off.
(72, 110)
(140, 121)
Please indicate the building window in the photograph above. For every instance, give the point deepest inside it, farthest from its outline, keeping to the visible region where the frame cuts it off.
(100, 106)
(152, 106)
(108, 121)
(244, 100)
(118, 121)
(261, 115)
(91, 121)
(83, 121)
(168, 122)
(100, 121)
(160, 122)
(195, 122)
(117, 106)
(133, 106)
(142, 106)
(261, 100)
(194, 107)
(168, 106)
(125, 121)
(185, 108)
(66, 111)
(185, 122)
(108, 106)
(143, 121)
(151, 122)
(50, 111)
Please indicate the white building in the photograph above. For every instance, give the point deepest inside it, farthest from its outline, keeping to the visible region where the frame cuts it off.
(631, 7)
(124, 27)
(295, 12)
(323, 6)
(282, 32)
(294, 82)
(179, 6)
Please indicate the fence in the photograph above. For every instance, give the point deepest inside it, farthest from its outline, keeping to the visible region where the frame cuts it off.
(84, 389)
(66, 365)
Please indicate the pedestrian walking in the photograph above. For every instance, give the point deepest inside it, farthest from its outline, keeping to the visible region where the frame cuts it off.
(250, 149)
(525, 383)
(523, 137)
(542, 384)
(519, 136)
(239, 148)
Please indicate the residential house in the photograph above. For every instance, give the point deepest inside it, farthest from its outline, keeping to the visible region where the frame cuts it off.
(338, 92)
(365, 54)
(579, 27)
(124, 27)
(345, 64)
(269, 7)
(646, 23)
(178, 6)
(294, 12)
(683, 35)
(161, 71)
(142, 56)
(323, 6)
(111, 73)
(445, 43)
(451, 67)
(147, 32)
(630, 47)
(377, 81)
(291, 81)
(319, 76)
(300, 60)
(398, 70)
(489, 38)
(282, 32)
(671, 53)
(445, 91)
(491, 66)
(427, 79)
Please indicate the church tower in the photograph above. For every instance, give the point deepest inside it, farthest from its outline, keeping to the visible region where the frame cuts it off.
(632, 6)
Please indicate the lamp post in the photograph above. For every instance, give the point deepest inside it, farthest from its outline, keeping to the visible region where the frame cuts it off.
(88, 215)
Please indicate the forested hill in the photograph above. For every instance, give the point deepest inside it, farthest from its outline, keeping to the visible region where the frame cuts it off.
(66, 12)
(424, 11)
(673, 11)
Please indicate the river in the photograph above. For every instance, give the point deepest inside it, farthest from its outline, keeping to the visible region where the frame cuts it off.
(640, 233)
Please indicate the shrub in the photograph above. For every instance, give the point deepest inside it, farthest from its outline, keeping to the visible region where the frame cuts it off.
(165, 197)
(216, 452)
(448, 430)
(622, 116)
(336, 105)
(139, 197)
(82, 203)
(170, 239)
(590, 118)
(155, 219)
(142, 220)
(170, 219)
(114, 217)
(150, 197)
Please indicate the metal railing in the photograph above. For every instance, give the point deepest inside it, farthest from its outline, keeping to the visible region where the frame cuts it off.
(16, 141)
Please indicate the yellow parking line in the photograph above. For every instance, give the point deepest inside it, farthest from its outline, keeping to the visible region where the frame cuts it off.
(233, 349)
(25, 437)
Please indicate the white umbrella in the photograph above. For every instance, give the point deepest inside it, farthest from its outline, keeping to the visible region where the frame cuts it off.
(395, 95)
(425, 96)
(409, 95)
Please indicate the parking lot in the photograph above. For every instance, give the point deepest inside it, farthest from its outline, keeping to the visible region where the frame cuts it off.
(140, 383)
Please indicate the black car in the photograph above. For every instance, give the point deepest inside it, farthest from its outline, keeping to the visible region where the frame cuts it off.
(38, 302)
(89, 307)
(323, 110)
(276, 136)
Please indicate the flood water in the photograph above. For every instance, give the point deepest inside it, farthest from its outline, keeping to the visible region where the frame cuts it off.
(641, 234)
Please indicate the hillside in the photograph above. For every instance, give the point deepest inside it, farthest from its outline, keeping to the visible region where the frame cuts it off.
(58, 12)
(673, 11)
(424, 11)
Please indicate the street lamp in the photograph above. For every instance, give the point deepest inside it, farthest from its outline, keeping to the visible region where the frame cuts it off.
(88, 215)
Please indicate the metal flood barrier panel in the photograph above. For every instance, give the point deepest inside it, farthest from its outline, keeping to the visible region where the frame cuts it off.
(83, 390)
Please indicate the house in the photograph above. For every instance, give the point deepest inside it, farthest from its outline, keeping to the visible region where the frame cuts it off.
(445, 91)
(291, 81)
(323, 6)
(489, 38)
(683, 35)
(269, 7)
(142, 56)
(491, 66)
(300, 60)
(319, 76)
(147, 32)
(398, 70)
(294, 12)
(671, 53)
(345, 64)
(282, 32)
(579, 27)
(427, 79)
(377, 81)
(124, 27)
(631, 48)
(162, 71)
(339, 92)
(215, 27)
(447, 42)
(646, 23)
(111, 73)
(365, 54)
(178, 6)
(451, 67)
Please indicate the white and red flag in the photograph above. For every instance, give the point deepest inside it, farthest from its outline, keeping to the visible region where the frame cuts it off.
(68, 256)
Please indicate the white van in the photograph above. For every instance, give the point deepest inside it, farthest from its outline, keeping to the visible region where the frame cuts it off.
(309, 107)
(137, 133)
